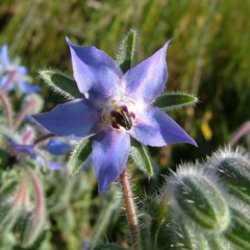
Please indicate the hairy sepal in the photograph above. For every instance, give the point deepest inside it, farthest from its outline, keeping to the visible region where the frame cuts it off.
(175, 100)
(126, 51)
(141, 158)
(79, 156)
(61, 83)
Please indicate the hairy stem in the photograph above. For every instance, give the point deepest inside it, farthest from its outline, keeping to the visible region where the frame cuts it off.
(21, 194)
(39, 207)
(8, 108)
(130, 210)
(11, 76)
(243, 130)
(23, 113)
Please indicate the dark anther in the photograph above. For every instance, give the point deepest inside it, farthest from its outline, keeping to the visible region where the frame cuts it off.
(121, 117)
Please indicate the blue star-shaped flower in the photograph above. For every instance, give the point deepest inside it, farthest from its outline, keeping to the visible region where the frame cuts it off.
(16, 74)
(19, 152)
(115, 107)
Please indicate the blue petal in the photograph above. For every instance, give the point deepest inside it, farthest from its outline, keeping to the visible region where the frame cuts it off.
(3, 81)
(28, 88)
(155, 128)
(147, 80)
(76, 119)
(52, 165)
(95, 72)
(110, 154)
(58, 147)
(21, 70)
(4, 58)
(20, 148)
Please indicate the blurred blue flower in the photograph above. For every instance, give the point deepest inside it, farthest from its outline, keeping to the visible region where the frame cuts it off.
(19, 152)
(115, 107)
(58, 147)
(12, 73)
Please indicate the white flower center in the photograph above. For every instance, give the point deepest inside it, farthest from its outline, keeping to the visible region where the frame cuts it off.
(119, 114)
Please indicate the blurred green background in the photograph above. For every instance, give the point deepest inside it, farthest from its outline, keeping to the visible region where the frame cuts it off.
(209, 54)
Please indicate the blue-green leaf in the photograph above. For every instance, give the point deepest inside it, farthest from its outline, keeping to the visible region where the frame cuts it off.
(175, 100)
(61, 83)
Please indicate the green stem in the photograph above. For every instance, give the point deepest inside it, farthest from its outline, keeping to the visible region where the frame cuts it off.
(130, 210)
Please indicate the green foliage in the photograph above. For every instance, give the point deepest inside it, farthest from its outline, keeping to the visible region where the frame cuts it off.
(108, 247)
(3, 158)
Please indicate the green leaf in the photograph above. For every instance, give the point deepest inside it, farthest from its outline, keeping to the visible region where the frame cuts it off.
(4, 156)
(141, 158)
(61, 83)
(126, 51)
(175, 100)
(8, 215)
(79, 156)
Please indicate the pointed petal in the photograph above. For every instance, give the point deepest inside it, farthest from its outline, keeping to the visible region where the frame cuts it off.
(76, 119)
(155, 128)
(53, 165)
(110, 154)
(3, 81)
(27, 88)
(4, 57)
(147, 80)
(20, 148)
(95, 72)
(58, 147)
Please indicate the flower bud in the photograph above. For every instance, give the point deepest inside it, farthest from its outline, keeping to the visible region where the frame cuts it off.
(10, 208)
(234, 169)
(239, 230)
(31, 227)
(184, 236)
(195, 196)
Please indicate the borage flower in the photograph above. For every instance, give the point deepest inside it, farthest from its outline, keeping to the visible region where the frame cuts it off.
(115, 107)
(12, 73)
(19, 152)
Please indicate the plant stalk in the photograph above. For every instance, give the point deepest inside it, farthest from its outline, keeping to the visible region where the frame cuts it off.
(130, 210)
(8, 108)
